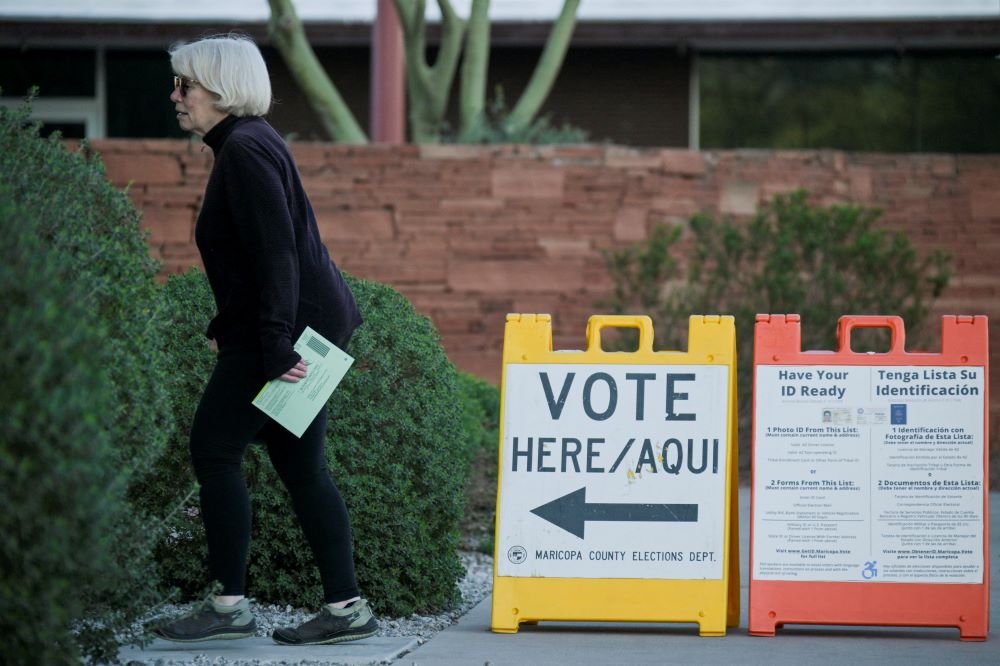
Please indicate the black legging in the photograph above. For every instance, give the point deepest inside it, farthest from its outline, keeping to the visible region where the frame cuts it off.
(224, 425)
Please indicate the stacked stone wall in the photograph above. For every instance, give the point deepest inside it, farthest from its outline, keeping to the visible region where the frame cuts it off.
(470, 233)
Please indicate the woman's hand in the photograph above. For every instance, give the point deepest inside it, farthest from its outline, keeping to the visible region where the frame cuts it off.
(295, 373)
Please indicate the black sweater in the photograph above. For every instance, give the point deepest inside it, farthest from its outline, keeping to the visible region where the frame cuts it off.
(269, 272)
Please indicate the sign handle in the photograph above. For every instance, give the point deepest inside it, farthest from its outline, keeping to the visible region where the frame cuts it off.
(847, 323)
(641, 322)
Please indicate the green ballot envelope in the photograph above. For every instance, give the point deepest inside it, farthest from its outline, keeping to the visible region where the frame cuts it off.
(295, 404)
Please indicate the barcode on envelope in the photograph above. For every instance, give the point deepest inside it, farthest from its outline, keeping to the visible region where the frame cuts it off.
(317, 346)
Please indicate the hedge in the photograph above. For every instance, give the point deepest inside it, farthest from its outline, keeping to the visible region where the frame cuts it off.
(86, 410)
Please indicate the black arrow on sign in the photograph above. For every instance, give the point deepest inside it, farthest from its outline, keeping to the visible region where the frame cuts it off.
(571, 512)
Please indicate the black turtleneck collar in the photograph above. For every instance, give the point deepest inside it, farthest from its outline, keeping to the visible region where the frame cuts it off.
(217, 136)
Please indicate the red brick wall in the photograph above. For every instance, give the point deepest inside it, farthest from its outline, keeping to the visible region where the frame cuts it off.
(471, 233)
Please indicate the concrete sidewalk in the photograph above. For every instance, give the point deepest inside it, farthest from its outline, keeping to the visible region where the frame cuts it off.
(264, 652)
(471, 642)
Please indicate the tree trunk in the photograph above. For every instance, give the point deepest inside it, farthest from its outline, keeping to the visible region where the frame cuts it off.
(475, 64)
(546, 70)
(286, 30)
(429, 86)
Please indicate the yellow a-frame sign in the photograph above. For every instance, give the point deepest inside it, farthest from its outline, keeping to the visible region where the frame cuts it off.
(617, 478)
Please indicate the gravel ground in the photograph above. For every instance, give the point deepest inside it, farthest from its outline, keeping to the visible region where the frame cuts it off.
(474, 587)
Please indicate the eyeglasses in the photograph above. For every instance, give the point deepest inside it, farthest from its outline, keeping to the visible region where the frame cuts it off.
(183, 84)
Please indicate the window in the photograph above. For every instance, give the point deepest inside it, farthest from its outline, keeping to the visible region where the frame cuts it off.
(884, 102)
(69, 83)
(139, 84)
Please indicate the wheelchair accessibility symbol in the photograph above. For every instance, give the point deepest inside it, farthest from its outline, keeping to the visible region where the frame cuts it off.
(517, 554)
(870, 571)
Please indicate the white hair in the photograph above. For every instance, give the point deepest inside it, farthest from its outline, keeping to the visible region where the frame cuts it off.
(230, 66)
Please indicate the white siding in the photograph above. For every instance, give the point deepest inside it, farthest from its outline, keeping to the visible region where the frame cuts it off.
(353, 11)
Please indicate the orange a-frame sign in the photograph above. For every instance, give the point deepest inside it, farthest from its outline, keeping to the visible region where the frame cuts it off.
(869, 503)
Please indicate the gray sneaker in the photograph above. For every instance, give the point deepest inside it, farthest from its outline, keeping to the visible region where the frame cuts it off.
(332, 625)
(210, 621)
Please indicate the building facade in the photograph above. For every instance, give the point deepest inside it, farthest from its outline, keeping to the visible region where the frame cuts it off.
(639, 72)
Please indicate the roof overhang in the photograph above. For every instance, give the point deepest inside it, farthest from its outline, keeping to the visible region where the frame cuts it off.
(700, 36)
(708, 25)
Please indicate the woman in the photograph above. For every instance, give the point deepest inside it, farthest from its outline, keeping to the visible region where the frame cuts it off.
(271, 277)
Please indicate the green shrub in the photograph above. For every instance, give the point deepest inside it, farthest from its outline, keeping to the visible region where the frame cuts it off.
(792, 257)
(482, 409)
(82, 340)
(79, 213)
(187, 306)
(55, 413)
(399, 443)
(483, 412)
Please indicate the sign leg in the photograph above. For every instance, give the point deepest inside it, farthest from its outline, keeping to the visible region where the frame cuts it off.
(715, 625)
(504, 611)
